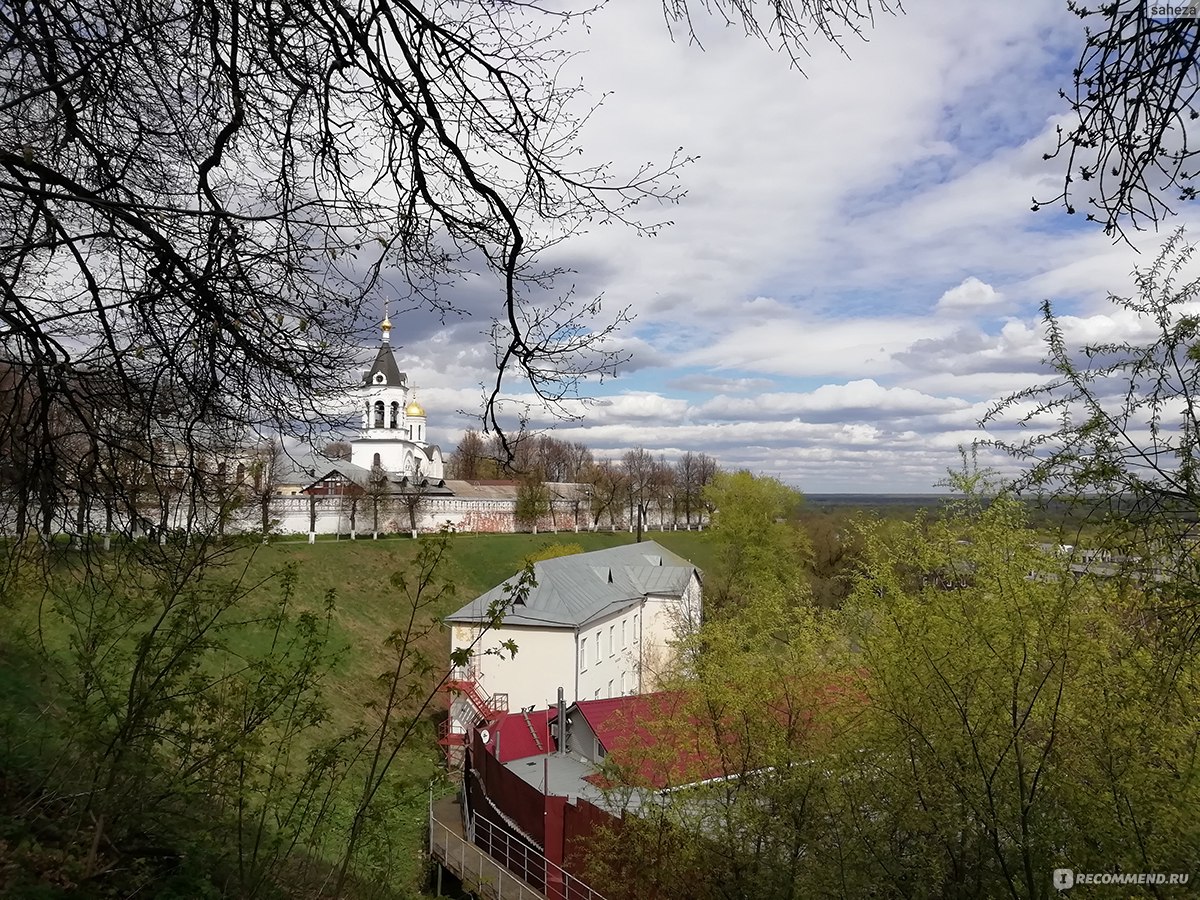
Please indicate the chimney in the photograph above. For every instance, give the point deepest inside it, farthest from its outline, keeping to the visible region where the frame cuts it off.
(562, 724)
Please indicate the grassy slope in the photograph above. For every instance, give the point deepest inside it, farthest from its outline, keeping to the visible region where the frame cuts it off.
(367, 610)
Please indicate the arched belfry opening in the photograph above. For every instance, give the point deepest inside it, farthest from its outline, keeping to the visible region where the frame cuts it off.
(395, 420)
(378, 414)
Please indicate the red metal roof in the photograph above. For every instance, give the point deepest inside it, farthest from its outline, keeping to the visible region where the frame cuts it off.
(656, 740)
(521, 734)
(651, 737)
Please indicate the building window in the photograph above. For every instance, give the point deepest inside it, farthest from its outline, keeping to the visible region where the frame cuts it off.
(596, 695)
(395, 416)
(583, 654)
(612, 639)
(378, 413)
(624, 633)
(596, 656)
(622, 684)
(635, 631)
(610, 684)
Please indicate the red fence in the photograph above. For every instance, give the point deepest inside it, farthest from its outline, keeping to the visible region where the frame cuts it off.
(517, 799)
(564, 830)
(581, 822)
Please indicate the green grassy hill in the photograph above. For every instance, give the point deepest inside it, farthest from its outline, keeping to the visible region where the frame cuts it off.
(38, 673)
(358, 572)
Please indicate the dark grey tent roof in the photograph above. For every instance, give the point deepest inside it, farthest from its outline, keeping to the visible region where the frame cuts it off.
(385, 363)
(574, 590)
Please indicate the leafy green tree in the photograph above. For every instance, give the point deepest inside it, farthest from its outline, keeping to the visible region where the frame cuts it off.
(722, 776)
(975, 717)
(1016, 719)
(533, 501)
(1117, 434)
(759, 546)
(177, 690)
(835, 552)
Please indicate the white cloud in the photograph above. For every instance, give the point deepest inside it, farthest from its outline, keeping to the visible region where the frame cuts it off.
(972, 296)
(855, 272)
(855, 401)
(805, 345)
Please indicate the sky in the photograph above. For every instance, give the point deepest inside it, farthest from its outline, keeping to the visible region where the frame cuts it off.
(855, 273)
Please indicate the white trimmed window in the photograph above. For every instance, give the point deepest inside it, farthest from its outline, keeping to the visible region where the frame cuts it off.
(596, 654)
(583, 654)
(624, 633)
(612, 639)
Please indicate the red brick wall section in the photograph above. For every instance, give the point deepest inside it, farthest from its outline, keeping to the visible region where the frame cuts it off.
(487, 521)
(555, 883)
(564, 829)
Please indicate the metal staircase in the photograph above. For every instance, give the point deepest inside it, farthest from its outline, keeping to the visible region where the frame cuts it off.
(481, 709)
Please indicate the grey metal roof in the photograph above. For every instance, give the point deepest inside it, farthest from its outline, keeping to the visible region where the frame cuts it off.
(399, 484)
(385, 362)
(573, 590)
(508, 489)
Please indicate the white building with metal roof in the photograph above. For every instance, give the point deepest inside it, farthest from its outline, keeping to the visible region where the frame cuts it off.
(600, 624)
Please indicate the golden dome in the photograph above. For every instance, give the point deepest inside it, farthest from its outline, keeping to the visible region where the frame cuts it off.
(414, 409)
